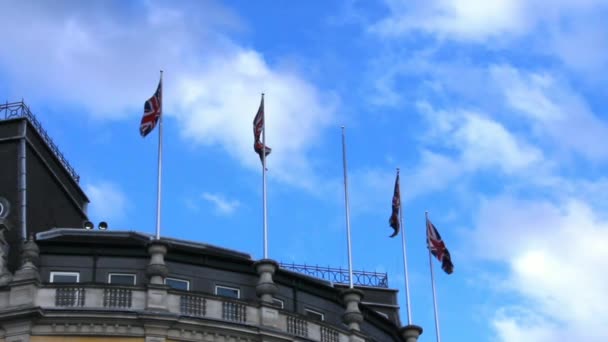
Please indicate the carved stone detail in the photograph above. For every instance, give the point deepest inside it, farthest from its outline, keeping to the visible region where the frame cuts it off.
(30, 254)
(411, 333)
(5, 274)
(157, 270)
(352, 316)
(266, 288)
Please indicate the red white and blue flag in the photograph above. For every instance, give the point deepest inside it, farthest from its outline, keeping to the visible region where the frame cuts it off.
(152, 111)
(437, 247)
(394, 219)
(258, 127)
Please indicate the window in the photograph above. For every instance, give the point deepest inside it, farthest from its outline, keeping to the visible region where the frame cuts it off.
(278, 302)
(382, 314)
(315, 315)
(178, 284)
(121, 278)
(225, 291)
(65, 277)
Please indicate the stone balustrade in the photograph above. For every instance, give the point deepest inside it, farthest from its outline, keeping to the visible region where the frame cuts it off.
(180, 304)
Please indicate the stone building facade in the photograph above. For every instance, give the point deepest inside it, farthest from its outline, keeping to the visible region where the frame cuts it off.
(77, 284)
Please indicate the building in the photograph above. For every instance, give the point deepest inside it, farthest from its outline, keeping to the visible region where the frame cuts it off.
(63, 280)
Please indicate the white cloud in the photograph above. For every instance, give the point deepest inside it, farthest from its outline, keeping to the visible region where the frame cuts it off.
(105, 60)
(460, 19)
(582, 45)
(101, 58)
(480, 141)
(572, 31)
(434, 172)
(221, 204)
(554, 253)
(478, 20)
(219, 103)
(108, 201)
(542, 104)
(474, 142)
(554, 109)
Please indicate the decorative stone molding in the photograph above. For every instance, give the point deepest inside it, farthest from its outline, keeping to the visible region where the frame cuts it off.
(87, 329)
(157, 270)
(220, 319)
(266, 288)
(17, 331)
(30, 254)
(5, 274)
(156, 331)
(411, 333)
(352, 316)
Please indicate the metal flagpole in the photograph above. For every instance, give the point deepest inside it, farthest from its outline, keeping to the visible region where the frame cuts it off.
(160, 158)
(264, 180)
(433, 284)
(350, 257)
(407, 284)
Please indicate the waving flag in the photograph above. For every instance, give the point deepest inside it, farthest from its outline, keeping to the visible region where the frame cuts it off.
(394, 219)
(152, 111)
(258, 127)
(437, 247)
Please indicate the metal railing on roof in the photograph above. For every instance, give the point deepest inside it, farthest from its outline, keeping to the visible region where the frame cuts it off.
(15, 110)
(340, 275)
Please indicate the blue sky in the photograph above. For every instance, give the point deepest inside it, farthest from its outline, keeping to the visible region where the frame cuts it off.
(494, 111)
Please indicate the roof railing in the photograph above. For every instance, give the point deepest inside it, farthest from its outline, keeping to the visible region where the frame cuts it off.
(16, 110)
(340, 275)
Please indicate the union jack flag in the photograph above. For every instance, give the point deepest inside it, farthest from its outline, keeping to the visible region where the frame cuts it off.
(152, 111)
(394, 219)
(437, 247)
(258, 127)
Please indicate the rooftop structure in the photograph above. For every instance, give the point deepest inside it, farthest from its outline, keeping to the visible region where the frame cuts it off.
(77, 284)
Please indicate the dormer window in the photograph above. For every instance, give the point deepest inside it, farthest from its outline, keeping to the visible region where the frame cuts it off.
(65, 277)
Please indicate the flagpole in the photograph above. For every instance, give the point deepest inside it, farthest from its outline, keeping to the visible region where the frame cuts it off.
(407, 285)
(264, 182)
(350, 258)
(160, 161)
(433, 285)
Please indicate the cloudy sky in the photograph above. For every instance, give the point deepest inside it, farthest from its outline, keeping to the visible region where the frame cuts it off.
(495, 111)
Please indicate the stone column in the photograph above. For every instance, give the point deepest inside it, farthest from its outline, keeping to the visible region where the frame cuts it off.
(17, 331)
(30, 253)
(157, 271)
(411, 333)
(266, 289)
(5, 274)
(24, 286)
(352, 316)
(156, 330)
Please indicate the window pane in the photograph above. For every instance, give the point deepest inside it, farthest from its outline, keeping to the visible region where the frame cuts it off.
(178, 284)
(314, 315)
(64, 278)
(226, 292)
(122, 279)
(278, 303)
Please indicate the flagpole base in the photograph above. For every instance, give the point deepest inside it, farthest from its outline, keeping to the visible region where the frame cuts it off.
(352, 315)
(411, 332)
(157, 270)
(266, 288)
